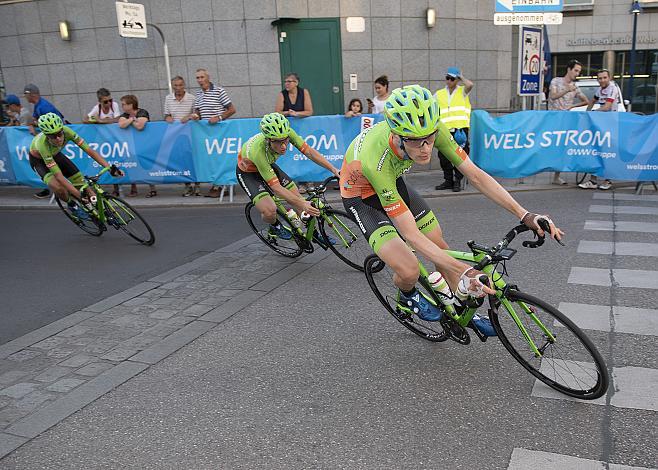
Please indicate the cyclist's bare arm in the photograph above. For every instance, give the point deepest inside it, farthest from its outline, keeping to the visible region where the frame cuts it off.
(294, 200)
(315, 156)
(494, 191)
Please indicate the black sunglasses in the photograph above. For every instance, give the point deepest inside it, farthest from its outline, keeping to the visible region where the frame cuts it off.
(452, 79)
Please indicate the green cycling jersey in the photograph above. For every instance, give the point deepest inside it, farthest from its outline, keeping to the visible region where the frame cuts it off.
(42, 148)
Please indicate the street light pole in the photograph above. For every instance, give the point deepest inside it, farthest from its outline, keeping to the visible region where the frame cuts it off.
(636, 9)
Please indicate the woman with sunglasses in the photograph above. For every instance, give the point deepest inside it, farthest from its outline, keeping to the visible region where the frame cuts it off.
(54, 168)
(389, 212)
(261, 177)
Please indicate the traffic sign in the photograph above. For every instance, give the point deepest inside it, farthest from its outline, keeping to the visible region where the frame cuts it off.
(131, 18)
(528, 6)
(506, 19)
(530, 63)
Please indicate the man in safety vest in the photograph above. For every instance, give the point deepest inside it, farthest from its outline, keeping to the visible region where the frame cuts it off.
(455, 112)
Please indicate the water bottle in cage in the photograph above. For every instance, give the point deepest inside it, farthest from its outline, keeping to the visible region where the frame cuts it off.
(294, 219)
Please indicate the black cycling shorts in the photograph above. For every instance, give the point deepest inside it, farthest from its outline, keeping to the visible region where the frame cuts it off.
(370, 216)
(66, 166)
(256, 187)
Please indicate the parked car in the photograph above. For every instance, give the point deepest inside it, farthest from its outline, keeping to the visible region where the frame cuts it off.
(589, 87)
(644, 99)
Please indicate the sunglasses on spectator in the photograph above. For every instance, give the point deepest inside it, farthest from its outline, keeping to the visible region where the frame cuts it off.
(106, 101)
(55, 136)
(452, 79)
(280, 141)
(418, 143)
(290, 81)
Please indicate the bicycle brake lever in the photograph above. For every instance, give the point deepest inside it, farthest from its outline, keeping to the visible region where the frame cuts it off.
(543, 223)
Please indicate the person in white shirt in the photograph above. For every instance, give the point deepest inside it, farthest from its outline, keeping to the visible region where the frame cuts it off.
(376, 104)
(106, 111)
(607, 96)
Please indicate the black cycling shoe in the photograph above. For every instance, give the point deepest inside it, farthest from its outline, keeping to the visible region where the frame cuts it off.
(445, 185)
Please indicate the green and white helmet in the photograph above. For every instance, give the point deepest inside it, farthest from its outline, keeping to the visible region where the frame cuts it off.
(412, 111)
(275, 126)
(50, 123)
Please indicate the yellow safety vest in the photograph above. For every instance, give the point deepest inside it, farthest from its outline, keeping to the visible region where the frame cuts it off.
(455, 110)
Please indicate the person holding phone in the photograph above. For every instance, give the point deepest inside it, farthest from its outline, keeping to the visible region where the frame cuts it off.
(376, 104)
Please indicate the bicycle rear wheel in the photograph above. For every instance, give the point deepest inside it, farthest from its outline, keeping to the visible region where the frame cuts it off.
(568, 361)
(380, 279)
(122, 216)
(288, 248)
(91, 224)
(351, 244)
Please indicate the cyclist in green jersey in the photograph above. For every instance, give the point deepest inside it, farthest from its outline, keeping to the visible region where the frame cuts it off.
(384, 207)
(261, 177)
(55, 169)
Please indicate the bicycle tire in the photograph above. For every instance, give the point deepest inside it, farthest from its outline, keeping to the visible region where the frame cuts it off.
(385, 291)
(563, 374)
(580, 177)
(92, 226)
(122, 216)
(288, 248)
(339, 225)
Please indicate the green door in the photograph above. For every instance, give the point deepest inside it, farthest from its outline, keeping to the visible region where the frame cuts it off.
(311, 48)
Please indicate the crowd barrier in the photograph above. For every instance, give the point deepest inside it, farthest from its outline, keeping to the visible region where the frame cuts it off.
(619, 146)
(179, 153)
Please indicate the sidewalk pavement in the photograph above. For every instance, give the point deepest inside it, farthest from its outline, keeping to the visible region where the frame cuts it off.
(22, 197)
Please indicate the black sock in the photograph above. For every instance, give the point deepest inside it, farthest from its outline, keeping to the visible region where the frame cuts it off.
(410, 293)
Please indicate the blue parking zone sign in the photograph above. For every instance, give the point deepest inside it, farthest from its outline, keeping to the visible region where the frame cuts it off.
(528, 6)
(530, 64)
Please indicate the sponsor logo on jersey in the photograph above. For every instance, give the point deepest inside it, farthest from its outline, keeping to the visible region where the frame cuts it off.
(388, 195)
(381, 160)
(392, 207)
(427, 224)
(383, 233)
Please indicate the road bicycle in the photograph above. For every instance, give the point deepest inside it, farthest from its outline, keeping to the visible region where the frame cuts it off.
(540, 337)
(332, 230)
(102, 210)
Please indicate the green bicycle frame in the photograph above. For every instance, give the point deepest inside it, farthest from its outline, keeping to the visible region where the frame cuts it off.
(499, 284)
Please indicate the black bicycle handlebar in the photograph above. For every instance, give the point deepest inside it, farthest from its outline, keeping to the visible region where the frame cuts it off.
(322, 187)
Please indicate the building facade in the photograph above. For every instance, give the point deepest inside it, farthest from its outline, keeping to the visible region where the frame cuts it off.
(240, 43)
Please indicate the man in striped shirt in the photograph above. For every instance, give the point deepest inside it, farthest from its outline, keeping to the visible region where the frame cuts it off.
(211, 103)
(179, 106)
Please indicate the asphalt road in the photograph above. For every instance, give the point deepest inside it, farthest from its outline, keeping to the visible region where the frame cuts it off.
(51, 268)
(317, 375)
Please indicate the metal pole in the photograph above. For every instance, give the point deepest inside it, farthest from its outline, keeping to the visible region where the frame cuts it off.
(632, 71)
(166, 56)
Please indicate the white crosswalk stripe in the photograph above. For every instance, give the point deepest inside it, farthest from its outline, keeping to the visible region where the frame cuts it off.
(626, 197)
(618, 248)
(524, 459)
(621, 226)
(637, 321)
(623, 277)
(634, 210)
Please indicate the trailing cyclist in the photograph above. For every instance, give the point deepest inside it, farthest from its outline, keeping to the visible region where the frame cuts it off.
(56, 170)
(261, 177)
(386, 209)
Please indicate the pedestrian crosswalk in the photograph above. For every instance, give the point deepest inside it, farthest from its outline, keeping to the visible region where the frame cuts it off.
(632, 221)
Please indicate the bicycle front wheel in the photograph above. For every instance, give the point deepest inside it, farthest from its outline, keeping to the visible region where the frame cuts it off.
(345, 237)
(287, 247)
(565, 360)
(380, 279)
(88, 223)
(122, 216)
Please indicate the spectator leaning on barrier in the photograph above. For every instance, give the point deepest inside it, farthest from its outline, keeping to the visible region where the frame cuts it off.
(562, 93)
(607, 96)
(355, 108)
(213, 104)
(136, 117)
(106, 111)
(179, 106)
(18, 115)
(455, 113)
(376, 104)
(41, 106)
(293, 100)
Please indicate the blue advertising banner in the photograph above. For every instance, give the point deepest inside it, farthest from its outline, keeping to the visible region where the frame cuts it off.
(620, 146)
(176, 153)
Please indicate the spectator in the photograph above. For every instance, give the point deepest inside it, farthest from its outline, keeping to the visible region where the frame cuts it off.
(561, 96)
(18, 115)
(376, 104)
(106, 111)
(211, 103)
(134, 116)
(179, 106)
(293, 100)
(41, 106)
(607, 96)
(455, 112)
(355, 108)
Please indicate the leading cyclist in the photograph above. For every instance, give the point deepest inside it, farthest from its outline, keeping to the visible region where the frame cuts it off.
(384, 207)
(56, 170)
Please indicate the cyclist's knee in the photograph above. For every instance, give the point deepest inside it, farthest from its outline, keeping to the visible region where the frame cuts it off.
(408, 271)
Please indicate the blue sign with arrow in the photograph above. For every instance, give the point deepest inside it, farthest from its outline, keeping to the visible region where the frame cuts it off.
(528, 6)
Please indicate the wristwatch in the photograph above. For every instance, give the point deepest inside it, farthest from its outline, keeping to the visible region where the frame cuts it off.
(220, 118)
